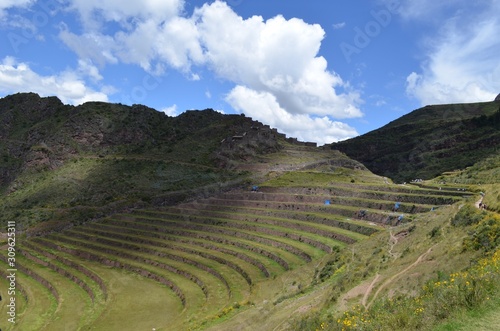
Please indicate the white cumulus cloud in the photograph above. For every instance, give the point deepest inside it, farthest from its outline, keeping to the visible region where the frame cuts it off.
(69, 85)
(95, 12)
(461, 64)
(6, 4)
(170, 111)
(278, 56)
(263, 106)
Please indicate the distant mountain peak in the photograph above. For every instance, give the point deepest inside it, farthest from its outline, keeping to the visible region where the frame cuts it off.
(428, 141)
(497, 99)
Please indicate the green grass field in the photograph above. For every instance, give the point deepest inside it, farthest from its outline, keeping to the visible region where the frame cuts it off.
(275, 259)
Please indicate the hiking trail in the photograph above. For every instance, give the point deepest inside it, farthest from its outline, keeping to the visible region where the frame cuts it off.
(390, 280)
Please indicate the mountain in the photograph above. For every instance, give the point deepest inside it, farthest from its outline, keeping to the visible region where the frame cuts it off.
(207, 221)
(98, 157)
(429, 141)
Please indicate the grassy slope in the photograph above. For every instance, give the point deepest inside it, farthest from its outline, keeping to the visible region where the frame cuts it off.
(483, 319)
(33, 313)
(382, 258)
(484, 175)
(378, 267)
(129, 292)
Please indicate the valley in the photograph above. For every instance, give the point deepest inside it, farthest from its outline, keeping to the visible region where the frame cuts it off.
(261, 233)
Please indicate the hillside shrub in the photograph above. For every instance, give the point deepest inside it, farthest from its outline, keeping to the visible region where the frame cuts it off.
(436, 231)
(467, 215)
(330, 268)
(485, 235)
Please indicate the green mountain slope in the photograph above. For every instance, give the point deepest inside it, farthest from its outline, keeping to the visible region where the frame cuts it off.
(217, 222)
(429, 141)
(64, 162)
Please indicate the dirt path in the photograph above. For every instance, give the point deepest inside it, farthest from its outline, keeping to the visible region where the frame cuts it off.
(364, 288)
(390, 280)
(393, 240)
(478, 203)
(368, 291)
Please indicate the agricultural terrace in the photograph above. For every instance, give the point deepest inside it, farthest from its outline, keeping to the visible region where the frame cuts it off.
(196, 264)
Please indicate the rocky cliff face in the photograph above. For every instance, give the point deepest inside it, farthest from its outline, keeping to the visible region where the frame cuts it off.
(22, 133)
(38, 134)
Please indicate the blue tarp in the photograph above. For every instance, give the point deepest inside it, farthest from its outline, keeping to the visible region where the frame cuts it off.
(327, 202)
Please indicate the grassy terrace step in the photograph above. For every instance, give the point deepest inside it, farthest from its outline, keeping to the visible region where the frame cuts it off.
(75, 299)
(338, 235)
(320, 239)
(412, 188)
(40, 246)
(18, 292)
(175, 276)
(331, 220)
(289, 194)
(138, 303)
(183, 254)
(31, 254)
(456, 189)
(40, 279)
(300, 243)
(89, 278)
(407, 207)
(372, 215)
(432, 198)
(342, 178)
(215, 294)
(39, 306)
(127, 291)
(67, 245)
(121, 241)
(173, 228)
(262, 253)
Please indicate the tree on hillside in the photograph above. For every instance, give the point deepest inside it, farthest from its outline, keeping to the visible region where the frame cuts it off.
(495, 119)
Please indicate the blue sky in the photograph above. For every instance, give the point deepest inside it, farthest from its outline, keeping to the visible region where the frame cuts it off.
(318, 70)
